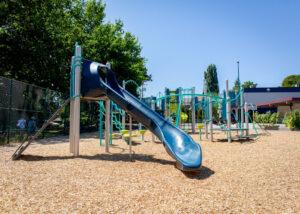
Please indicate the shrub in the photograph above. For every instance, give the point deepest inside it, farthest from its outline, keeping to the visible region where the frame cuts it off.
(268, 118)
(292, 120)
(274, 118)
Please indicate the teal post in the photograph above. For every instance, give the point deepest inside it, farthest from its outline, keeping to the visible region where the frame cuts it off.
(178, 118)
(178, 112)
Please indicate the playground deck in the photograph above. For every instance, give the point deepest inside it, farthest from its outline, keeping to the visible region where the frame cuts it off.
(256, 177)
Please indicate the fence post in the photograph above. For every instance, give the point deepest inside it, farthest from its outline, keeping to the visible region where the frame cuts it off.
(9, 110)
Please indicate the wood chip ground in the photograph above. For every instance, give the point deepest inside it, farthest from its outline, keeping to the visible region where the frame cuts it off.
(261, 176)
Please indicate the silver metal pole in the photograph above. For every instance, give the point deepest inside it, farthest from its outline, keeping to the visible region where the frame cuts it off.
(211, 119)
(141, 98)
(242, 112)
(228, 113)
(247, 119)
(75, 105)
(206, 127)
(130, 134)
(193, 112)
(153, 108)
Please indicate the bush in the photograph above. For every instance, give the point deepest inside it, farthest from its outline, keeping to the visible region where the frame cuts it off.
(292, 120)
(274, 118)
(268, 118)
(183, 117)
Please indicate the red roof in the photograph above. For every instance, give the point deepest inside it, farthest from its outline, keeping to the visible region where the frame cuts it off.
(284, 101)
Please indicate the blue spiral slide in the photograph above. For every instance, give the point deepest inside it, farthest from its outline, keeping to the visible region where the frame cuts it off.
(98, 81)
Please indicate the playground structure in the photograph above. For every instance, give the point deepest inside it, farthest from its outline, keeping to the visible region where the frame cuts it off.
(95, 81)
(189, 110)
(176, 110)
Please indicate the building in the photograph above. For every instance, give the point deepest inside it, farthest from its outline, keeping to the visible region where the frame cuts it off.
(274, 99)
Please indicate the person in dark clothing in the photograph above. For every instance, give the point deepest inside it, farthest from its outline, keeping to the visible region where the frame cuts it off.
(31, 126)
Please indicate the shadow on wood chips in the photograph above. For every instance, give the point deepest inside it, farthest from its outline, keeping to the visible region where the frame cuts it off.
(104, 157)
(203, 173)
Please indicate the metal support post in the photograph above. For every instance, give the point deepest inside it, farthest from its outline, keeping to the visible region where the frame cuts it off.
(107, 124)
(75, 103)
(228, 113)
(247, 119)
(242, 112)
(193, 112)
(130, 134)
(211, 119)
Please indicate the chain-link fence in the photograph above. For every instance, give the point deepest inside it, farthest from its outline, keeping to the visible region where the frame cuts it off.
(24, 108)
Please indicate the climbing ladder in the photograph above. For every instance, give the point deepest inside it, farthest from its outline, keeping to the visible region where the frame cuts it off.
(17, 154)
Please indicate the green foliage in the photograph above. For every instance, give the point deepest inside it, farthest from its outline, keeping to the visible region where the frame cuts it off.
(236, 86)
(246, 84)
(183, 117)
(274, 118)
(291, 81)
(292, 120)
(38, 39)
(211, 79)
(215, 109)
(268, 118)
(249, 84)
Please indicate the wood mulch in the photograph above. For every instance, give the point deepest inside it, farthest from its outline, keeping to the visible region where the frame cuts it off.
(261, 176)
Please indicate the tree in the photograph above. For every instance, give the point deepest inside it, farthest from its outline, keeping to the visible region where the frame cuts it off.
(291, 81)
(211, 79)
(38, 37)
(249, 84)
(33, 49)
(246, 84)
(236, 85)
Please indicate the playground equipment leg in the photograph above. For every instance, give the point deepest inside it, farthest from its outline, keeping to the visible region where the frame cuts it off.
(153, 108)
(211, 119)
(123, 119)
(200, 134)
(242, 114)
(107, 124)
(228, 113)
(77, 125)
(206, 129)
(75, 105)
(193, 112)
(100, 103)
(237, 119)
(71, 131)
(130, 134)
(247, 119)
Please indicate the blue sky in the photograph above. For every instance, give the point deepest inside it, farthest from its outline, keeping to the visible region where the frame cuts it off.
(181, 38)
